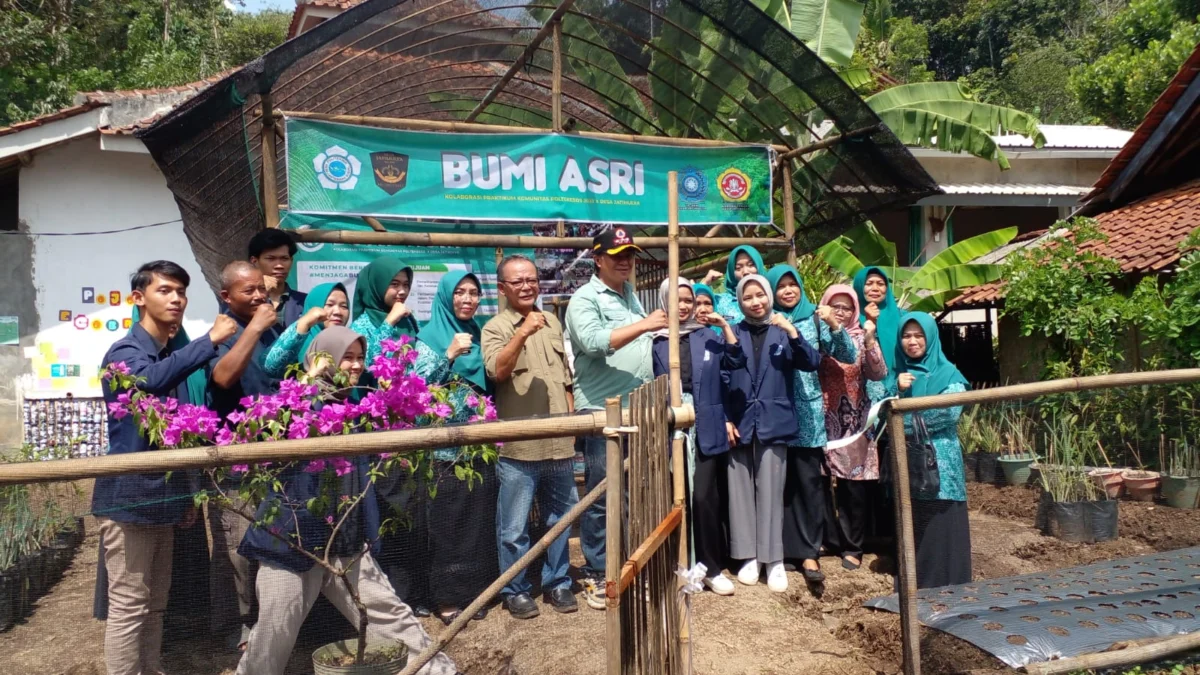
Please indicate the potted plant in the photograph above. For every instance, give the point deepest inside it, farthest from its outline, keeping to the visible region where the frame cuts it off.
(1181, 485)
(986, 444)
(1019, 445)
(1073, 507)
(1107, 478)
(304, 408)
(1141, 484)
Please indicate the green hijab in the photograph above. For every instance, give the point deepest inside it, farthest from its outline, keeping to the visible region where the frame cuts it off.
(888, 325)
(197, 382)
(803, 309)
(934, 371)
(443, 324)
(730, 281)
(372, 286)
(317, 298)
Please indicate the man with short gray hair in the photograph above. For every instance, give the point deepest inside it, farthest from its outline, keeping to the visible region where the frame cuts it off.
(524, 354)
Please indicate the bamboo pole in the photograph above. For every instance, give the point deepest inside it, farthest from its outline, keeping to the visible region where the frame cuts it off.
(410, 124)
(270, 191)
(613, 522)
(646, 550)
(910, 627)
(789, 211)
(514, 240)
(439, 643)
(828, 142)
(1124, 657)
(556, 82)
(527, 429)
(501, 301)
(1035, 389)
(375, 224)
(676, 397)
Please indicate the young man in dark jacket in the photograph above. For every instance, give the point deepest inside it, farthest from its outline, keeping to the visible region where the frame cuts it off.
(137, 514)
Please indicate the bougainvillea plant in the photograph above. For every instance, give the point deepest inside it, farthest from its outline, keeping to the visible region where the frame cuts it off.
(308, 407)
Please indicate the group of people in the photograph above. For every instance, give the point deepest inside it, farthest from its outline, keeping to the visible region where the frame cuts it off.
(782, 466)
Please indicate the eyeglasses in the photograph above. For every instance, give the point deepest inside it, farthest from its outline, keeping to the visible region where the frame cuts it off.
(464, 293)
(842, 309)
(521, 283)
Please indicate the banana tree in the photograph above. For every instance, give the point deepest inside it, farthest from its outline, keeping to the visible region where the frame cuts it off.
(928, 288)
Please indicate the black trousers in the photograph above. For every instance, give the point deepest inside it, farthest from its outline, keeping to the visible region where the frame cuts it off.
(804, 498)
(463, 559)
(709, 511)
(846, 516)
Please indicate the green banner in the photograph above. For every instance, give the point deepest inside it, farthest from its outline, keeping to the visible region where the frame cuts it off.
(320, 263)
(339, 169)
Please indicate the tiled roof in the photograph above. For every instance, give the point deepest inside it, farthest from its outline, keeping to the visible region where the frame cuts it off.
(340, 5)
(1071, 136)
(1188, 72)
(1143, 237)
(63, 114)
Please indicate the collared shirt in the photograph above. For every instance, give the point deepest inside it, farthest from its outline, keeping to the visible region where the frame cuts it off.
(254, 380)
(537, 386)
(153, 498)
(600, 371)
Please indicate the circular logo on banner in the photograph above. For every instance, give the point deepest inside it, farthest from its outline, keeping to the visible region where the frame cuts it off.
(692, 185)
(97, 324)
(81, 321)
(112, 324)
(337, 169)
(734, 184)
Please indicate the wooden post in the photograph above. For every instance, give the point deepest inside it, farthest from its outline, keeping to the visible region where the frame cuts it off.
(270, 191)
(556, 84)
(501, 302)
(910, 635)
(789, 210)
(614, 519)
(678, 463)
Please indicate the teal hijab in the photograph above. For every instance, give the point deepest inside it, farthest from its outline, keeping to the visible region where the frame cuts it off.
(317, 297)
(933, 371)
(372, 286)
(443, 324)
(704, 289)
(731, 282)
(888, 325)
(803, 309)
(197, 382)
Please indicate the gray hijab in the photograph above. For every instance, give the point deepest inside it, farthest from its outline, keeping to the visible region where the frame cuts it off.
(335, 341)
(766, 286)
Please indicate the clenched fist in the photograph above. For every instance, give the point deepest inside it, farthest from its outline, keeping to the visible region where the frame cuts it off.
(461, 344)
(264, 317)
(223, 328)
(534, 322)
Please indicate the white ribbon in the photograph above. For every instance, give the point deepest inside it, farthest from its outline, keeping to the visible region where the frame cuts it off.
(872, 420)
(692, 578)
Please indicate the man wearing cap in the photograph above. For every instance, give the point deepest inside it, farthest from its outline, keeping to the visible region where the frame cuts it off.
(610, 338)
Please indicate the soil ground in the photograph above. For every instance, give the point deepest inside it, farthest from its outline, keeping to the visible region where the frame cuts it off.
(755, 632)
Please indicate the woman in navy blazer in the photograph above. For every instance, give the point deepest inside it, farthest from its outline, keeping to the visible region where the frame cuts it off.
(703, 357)
(762, 422)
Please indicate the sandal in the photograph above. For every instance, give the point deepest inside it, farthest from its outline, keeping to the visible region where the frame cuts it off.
(847, 564)
(448, 618)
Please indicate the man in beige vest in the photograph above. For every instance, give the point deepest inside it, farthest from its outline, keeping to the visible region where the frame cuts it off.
(524, 354)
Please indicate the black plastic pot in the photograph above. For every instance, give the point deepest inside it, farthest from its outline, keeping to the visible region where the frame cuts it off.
(988, 469)
(1078, 522)
(8, 588)
(22, 595)
(971, 466)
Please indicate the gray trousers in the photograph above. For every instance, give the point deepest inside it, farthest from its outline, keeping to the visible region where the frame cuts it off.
(230, 576)
(285, 598)
(756, 476)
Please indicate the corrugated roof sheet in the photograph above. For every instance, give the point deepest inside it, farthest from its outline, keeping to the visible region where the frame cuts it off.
(1071, 136)
(1038, 189)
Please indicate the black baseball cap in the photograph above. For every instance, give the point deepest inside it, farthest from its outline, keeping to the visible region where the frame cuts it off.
(613, 240)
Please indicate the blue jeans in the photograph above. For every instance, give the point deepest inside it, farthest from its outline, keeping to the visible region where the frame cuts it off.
(552, 483)
(592, 526)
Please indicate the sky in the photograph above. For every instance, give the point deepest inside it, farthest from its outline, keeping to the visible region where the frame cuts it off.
(259, 5)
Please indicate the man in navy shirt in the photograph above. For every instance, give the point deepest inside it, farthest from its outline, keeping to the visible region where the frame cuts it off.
(272, 251)
(138, 513)
(236, 370)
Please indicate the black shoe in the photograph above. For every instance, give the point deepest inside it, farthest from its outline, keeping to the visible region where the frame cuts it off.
(563, 600)
(813, 576)
(521, 606)
(421, 612)
(846, 564)
(480, 615)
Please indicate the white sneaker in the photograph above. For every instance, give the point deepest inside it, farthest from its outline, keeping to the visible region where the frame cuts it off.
(777, 577)
(748, 575)
(719, 584)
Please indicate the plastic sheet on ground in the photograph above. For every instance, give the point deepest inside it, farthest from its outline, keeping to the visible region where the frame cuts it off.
(1070, 611)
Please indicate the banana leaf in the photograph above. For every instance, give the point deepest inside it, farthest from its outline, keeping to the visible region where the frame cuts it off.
(929, 129)
(857, 78)
(906, 94)
(956, 277)
(836, 255)
(871, 247)
(828, 27)
(776, 9)
(965, 251)
(935, 302)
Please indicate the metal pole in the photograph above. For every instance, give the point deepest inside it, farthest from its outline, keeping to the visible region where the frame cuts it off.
(614, 519)
(910, 627)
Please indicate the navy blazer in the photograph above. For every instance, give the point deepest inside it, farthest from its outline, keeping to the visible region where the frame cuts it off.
(162, 501)
(761, 397)
(712, 359)
(298, 487)
(293, 307)
(254, 380)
